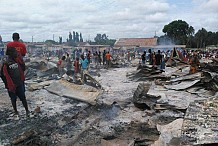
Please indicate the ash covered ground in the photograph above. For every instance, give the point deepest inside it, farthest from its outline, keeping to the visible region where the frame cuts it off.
(131, 108)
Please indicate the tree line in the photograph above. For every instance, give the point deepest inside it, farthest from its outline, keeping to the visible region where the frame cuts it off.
(180, 32)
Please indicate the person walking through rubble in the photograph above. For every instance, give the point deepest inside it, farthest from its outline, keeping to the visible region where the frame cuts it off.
(194, 63)
(143, 57)
(13, 77)
(108, 59)
(20, 47)
(61, 65)
(84, 67)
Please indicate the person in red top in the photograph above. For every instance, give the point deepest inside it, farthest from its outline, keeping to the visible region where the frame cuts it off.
(76, 68)
(20, 47)
(108, 58)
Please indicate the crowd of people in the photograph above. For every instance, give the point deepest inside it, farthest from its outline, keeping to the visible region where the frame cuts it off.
(192, 57)
(81, 62)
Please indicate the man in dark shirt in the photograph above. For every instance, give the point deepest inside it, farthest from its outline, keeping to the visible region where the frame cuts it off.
(143, 57)
(158, 58)
(104, 58)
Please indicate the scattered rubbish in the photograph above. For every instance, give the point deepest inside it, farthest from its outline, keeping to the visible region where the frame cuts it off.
(128, 104)
(23, 136)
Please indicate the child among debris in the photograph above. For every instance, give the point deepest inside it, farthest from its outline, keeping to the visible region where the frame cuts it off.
(12, 74)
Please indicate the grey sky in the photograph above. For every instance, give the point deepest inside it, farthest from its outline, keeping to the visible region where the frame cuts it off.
(117, 18)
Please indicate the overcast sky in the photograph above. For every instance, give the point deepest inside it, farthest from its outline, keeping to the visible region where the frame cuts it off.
(117, 18)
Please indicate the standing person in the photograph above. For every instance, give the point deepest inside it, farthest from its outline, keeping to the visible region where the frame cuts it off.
(143, 57)
(128, 56)
(89, 56)
(61, 65)
(2, 53)
(99, 57)
(13, 77)
(20, 47)
(104, 58)
(154, 59)
(150, 57)
(158, 58)
(96, 58)
(194, 62)
(68, 62)
(77, 54)
(84, 67)
(76, 67)
(108, 58)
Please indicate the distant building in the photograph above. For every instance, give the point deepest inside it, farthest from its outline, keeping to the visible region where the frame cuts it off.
(135, 43)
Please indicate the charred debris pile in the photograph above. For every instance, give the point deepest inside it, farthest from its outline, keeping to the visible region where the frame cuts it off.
(178, 94)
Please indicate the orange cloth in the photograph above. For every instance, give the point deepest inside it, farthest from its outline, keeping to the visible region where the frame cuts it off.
(108, 56)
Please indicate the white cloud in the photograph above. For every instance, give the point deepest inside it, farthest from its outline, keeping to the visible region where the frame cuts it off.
(206, 6)
(116, 18)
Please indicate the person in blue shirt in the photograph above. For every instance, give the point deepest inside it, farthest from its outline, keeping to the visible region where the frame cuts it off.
(2, 53)
(84, 67)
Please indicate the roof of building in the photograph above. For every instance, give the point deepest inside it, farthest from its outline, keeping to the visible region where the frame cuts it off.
(139, 42)
(82, 44)
(170, 46)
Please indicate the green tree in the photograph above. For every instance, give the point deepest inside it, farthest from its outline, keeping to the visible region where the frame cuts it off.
(80, 37)
(77, 37)
(60, 40)
(98, 39)
(50, 42)
(70, 37)
(212, 38)
(1, 39)
(102, 39)
(178, 31)
(201, 38)
(190, 37)
(74, 36)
